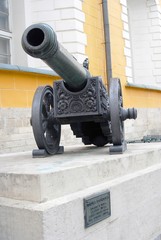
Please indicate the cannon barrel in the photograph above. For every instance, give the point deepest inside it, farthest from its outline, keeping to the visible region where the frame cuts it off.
(40, 41)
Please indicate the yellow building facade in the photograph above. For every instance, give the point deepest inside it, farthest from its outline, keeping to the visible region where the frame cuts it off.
(134, 95)
(17, 87)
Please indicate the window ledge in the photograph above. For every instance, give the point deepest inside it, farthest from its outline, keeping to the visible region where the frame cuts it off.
(27, 69)
(143, 86)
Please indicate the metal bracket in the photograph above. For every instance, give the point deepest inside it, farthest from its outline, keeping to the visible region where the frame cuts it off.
(118, 149)
(42, 153)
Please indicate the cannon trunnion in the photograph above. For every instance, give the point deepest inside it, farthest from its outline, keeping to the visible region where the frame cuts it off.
(79, 99)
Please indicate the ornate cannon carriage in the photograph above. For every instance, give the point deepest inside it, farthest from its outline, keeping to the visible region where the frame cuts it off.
(81, 100)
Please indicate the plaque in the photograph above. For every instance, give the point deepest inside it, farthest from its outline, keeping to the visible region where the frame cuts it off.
(97, 207)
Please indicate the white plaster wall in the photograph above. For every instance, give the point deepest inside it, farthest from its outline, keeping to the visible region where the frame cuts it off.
(126, 37)
(141, 42)
(158, 238)
(20, 17)
(15, 130)
(144, 19)
(66, 18)
(148, 122)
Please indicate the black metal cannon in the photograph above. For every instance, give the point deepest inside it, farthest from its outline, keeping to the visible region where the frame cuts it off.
(80, 99)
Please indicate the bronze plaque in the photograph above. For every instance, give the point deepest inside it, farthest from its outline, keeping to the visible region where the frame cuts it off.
(96, 208)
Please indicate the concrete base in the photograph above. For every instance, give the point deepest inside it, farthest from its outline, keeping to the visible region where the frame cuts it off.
(42, 199)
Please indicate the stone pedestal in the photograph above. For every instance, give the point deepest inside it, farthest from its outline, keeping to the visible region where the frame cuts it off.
(42, 199)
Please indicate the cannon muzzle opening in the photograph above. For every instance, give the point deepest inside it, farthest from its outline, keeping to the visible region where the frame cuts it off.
(40, 41)
(35, 37)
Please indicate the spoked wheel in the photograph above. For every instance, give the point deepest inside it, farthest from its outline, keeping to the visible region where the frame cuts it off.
(116, 104)
(45, 128)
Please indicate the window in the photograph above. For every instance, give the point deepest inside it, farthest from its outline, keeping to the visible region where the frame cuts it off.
(5, 34)
(4, 50)
(4, 15)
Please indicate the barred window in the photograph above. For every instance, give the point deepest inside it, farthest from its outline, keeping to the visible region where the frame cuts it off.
(5, 34)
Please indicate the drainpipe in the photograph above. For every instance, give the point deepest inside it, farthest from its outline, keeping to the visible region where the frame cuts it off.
(107, 40)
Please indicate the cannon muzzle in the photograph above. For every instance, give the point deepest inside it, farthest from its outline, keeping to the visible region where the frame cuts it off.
(40, 41)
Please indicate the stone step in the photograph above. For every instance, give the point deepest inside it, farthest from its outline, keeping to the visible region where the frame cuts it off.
(25, 178)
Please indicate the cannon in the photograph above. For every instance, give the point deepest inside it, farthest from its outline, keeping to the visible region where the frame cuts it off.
(79, 99)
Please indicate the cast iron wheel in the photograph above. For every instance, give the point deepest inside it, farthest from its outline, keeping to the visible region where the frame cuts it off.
(116, 104)
(45, 128)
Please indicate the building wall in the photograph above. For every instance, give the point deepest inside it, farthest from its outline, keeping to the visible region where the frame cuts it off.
(67, 19)
(141, 95)
(145, 26)
(116, 40)
(15, 130)
(17, 87)
(77, 24)
(94, 30)
(147, 99)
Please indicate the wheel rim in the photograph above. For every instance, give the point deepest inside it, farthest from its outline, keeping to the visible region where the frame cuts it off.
(45, 128)
(116, 104)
